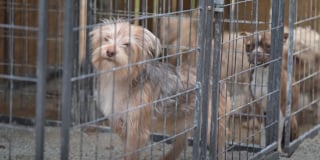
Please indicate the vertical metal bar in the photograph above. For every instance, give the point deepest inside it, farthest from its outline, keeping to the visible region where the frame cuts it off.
(66, 82)
(83, 115)
(218, 15)
(6, 38)
(79, 112)
(11, 55)
(206, 76)
(41, 77)
(289, 82)
(200, 47)
(275, 71)
(271, 131)
(179, 59)
(88, 67)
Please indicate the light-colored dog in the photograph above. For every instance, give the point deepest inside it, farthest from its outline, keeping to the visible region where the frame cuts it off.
(307, 68)
(258, 49)
(141, 96)
(180, 33)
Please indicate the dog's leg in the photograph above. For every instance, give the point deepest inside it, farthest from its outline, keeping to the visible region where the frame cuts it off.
(263, 134)
(133, 135)
(136, 138)
(261, 121)
(222, 138)
(294, 128)
(280, 135)
(178, 146)
(180, 141)
(316, 109)
(317, 113)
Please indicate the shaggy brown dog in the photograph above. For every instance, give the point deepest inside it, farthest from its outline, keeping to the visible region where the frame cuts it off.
(139, 95)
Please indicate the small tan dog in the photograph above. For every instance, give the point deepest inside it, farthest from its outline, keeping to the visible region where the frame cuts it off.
(307, 68)
(258, 55)
(140, 96)
(179, 36)
(180, 33)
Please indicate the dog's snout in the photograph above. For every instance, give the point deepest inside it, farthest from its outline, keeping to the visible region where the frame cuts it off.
(111, 52)
(258, 57)
(252, 58)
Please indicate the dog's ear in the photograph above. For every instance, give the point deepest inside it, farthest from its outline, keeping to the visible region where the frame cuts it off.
(95, 36)
(298, 62)
(247, 40)
(94, 41)
(246, 36)
(152, 44)
(156, 51)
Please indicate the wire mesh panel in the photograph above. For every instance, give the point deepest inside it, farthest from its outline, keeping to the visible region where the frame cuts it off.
(303, 52)
(137, 94)
(172, 79)
(251, 65)
(19, 27)
(30, 62)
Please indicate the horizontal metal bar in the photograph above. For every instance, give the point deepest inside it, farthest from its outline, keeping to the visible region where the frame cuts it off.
(18, 78)
(10, 26)
(30, 37)
(307, 20)
(265, 151)
(306, 106)
(143, 16)
(243, 147)
(15, 127)
(240, 114)
(306, 78)
(27, 121)
(272, 156)
(239, 108)
(295, 144)
(115, 69)
(156, 137)
(35, 9)
(126, 13)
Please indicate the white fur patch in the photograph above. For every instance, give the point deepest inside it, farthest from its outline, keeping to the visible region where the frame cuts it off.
(259, 84)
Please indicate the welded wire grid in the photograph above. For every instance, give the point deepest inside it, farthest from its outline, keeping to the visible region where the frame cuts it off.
(47, 114)
(96, 139)
(25, 71)
(304, 52)
(177, 28)
(246, 135)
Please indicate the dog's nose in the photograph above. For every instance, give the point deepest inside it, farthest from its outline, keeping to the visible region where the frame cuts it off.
(258, 57)
(252, 58)
(110, 52)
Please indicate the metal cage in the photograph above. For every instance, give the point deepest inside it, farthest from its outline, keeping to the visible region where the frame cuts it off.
(215, 79)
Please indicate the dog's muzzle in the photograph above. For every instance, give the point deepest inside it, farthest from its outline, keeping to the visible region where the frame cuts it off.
(258, 57)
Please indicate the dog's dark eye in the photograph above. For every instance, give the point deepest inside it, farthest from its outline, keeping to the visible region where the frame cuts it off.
(106, 39)
(126, 44)
(249, 47)
(265, 46)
